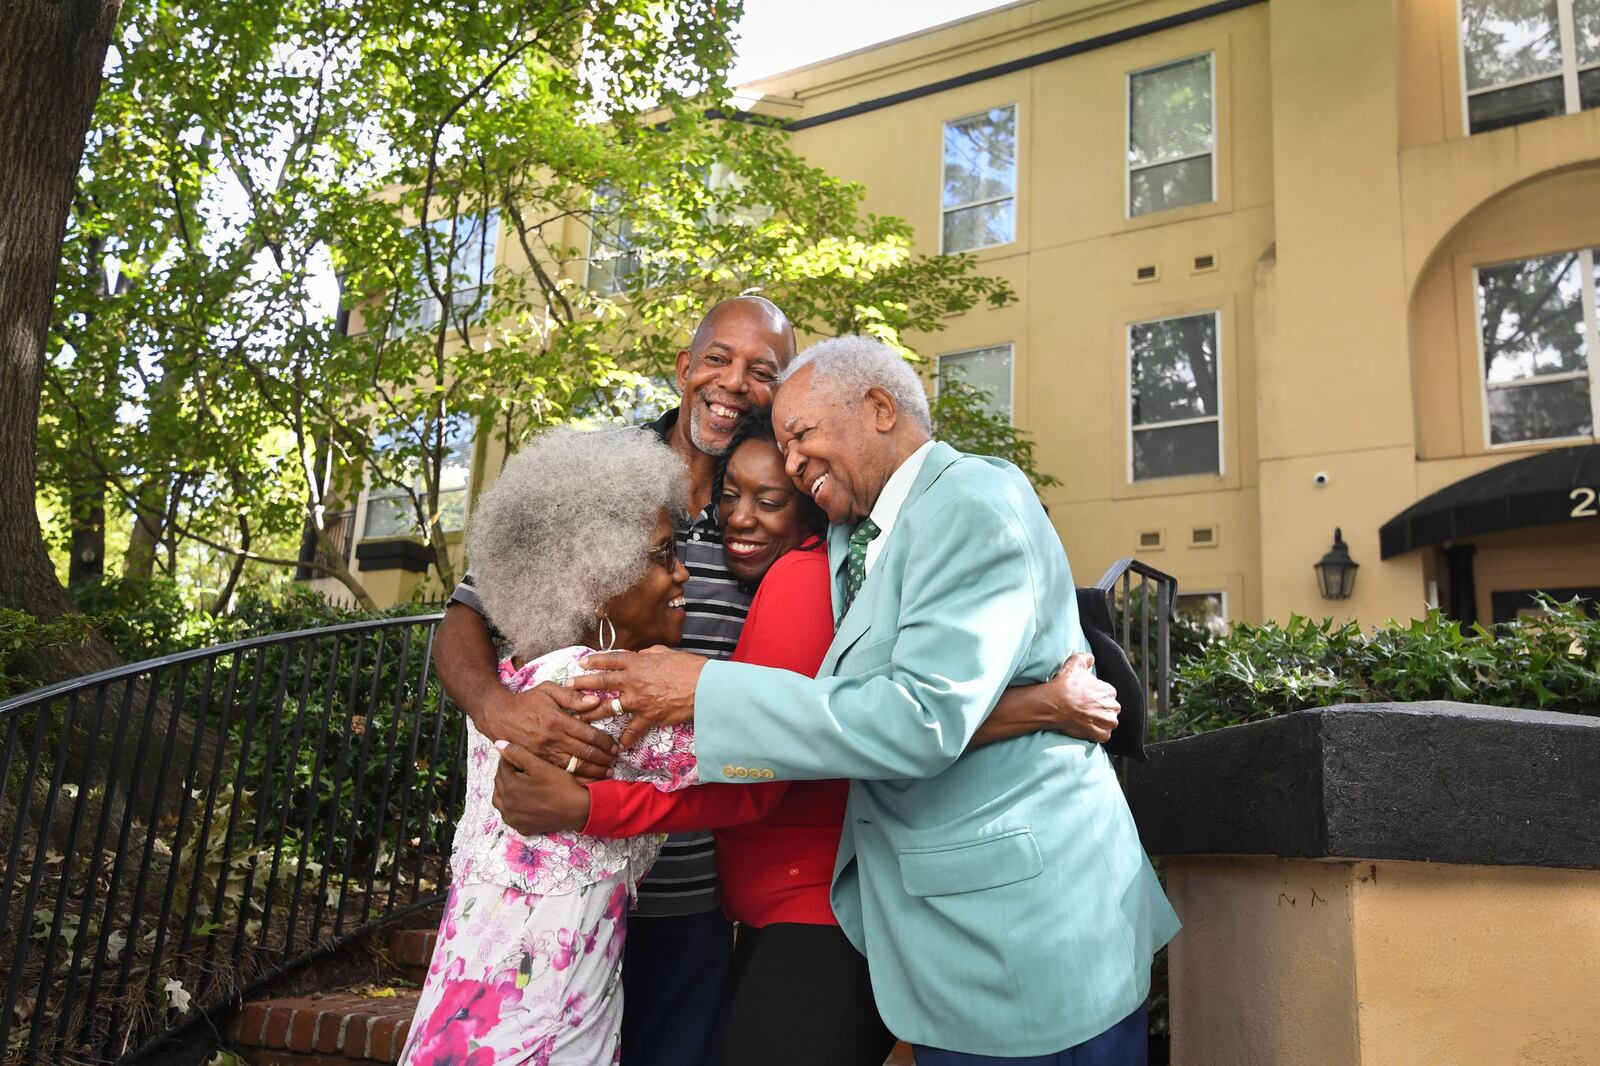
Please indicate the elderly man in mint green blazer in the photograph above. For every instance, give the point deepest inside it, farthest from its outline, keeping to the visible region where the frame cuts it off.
(1000, 895)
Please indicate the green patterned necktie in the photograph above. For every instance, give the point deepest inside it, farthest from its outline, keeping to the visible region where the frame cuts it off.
(856, 568)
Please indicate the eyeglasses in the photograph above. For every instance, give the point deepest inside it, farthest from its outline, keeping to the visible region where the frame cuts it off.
(664, 555)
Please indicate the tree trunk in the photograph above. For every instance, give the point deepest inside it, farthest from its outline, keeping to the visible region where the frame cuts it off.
(147, 530)
(330, 555)
(441, 557)
(225, 597)
(51, 55)
(88, 561)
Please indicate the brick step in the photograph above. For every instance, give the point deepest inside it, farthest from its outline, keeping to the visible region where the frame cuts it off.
(351, 1029)
(347, 1028)
(410, 951)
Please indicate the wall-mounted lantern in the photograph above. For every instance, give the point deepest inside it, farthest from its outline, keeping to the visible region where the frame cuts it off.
(1336, 573)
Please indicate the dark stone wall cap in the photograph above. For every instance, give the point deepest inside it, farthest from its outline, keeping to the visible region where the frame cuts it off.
(1428, 782)
(395, 554)
(1467, 711)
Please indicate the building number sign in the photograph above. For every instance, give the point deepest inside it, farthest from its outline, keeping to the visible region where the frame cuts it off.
(1583, 502)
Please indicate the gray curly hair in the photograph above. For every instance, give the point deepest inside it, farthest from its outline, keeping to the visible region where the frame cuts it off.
(566, 527)
(851, 365)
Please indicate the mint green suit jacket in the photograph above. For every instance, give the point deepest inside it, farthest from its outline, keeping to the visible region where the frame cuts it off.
(1000, 895)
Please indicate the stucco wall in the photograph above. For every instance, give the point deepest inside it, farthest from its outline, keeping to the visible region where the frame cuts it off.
(1264, 972)
(1342, 170)
(1293, 962)
(1074, 261)
(1477, 964)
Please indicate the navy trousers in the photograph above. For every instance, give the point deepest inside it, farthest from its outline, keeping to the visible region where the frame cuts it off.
(672, 971)
(1125, 1044)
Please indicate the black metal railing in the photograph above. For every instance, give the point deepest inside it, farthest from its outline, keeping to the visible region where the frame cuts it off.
(1142, 601)
(176, 832)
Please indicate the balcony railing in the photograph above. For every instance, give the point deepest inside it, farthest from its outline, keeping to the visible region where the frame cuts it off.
(340, 530)
(179, 831)
(1142, 601)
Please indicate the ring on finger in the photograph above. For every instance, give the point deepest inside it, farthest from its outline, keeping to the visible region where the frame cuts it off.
(572, 764)
(616, 706)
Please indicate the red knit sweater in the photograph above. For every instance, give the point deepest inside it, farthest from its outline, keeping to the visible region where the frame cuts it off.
(776, 841)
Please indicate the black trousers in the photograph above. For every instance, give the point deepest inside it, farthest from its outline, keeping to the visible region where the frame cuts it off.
(799, 995)
(672, 974)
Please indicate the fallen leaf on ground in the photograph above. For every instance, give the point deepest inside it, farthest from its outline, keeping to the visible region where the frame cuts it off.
(374, 992)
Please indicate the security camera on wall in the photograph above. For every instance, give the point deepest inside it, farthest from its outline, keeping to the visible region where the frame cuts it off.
(1320, 478)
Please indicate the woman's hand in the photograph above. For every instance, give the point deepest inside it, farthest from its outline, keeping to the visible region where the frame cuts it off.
(1074, 702)
(533, 797)
(1085, 707)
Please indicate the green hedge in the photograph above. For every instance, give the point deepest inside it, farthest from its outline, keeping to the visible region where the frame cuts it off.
(1548, 661)
(20, 632)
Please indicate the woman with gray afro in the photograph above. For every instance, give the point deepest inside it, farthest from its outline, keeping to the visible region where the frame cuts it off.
(573, 552)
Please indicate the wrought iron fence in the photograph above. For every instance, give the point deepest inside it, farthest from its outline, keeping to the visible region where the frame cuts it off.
(1142, 611)
(178, 831)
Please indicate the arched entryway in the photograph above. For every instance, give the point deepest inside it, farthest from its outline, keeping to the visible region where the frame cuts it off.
(1502, 535)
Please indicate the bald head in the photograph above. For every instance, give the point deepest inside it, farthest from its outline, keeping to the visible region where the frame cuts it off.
(761, 312)
(729, 368)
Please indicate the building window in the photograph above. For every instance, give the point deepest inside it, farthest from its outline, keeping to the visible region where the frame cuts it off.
(613, 256)
(987, 370)
(1175, 421)
(390, 511)
(1529, 59)
(1206, 611)
(980, 180)
(463, 253)
(1536, 319)
(1171, 136)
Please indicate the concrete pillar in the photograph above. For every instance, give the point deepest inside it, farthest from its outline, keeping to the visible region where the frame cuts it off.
(1381, 885)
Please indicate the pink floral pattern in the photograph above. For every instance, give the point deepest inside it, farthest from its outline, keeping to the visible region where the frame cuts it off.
(524, 980)
(487, 851)
(527, 970)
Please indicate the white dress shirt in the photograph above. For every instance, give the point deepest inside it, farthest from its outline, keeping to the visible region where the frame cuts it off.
(892, 498)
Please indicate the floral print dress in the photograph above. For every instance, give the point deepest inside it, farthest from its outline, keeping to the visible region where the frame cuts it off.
(527, 969)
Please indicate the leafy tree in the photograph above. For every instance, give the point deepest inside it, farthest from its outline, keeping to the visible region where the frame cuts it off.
(963, 419)
(242, 156)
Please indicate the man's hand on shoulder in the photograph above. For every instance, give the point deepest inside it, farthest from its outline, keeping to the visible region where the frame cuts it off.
(1084, 707)
(541, 721)
(656, 687)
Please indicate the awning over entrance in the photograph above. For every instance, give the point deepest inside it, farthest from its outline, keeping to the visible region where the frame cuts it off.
(1551, 487)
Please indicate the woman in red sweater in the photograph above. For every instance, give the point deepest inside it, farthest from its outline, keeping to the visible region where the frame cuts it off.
(798, 991)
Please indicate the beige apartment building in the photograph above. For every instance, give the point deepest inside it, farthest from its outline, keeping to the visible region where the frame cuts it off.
(1284, 267)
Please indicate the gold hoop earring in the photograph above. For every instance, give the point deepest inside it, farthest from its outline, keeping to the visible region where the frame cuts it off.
(608, 641)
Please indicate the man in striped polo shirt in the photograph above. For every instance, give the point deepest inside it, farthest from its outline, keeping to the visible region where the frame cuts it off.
(678, 942)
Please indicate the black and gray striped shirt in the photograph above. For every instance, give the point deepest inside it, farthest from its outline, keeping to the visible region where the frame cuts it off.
(684, 878)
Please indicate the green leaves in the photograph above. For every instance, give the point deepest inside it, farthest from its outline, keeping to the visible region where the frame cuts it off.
(21, 633)
(1545, 661)
(963, 419)
(441, 162)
